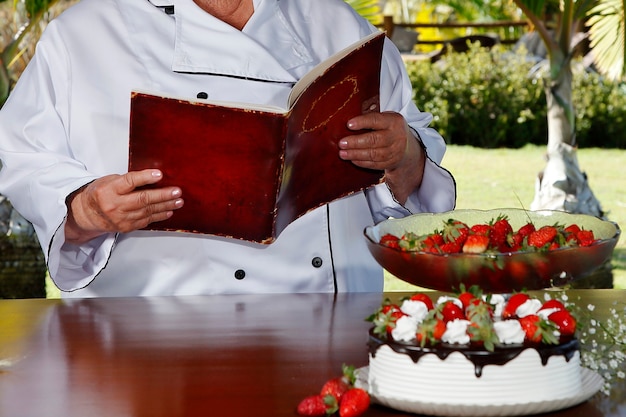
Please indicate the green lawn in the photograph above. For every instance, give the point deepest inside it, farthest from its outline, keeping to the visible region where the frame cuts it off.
(499, 178)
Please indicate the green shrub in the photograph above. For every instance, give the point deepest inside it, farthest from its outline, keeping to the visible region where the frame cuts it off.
(600, 112)
(489, 99)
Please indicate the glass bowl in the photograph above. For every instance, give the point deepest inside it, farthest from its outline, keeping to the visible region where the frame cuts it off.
(499, 273)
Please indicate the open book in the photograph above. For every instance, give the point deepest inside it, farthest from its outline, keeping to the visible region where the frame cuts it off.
(247, 171)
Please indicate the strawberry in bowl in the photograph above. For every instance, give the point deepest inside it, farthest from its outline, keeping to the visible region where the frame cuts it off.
(501, 250)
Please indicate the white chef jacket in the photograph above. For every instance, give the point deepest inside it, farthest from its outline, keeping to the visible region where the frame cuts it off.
(66, 123)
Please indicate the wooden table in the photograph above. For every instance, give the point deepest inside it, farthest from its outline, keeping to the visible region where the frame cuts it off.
(194, 356)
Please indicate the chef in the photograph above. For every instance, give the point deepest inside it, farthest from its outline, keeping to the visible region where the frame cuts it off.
(64, 147)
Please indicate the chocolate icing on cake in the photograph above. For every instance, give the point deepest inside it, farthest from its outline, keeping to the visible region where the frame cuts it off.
(475, 354)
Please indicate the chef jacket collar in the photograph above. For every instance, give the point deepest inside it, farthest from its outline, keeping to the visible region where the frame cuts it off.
(205, 44)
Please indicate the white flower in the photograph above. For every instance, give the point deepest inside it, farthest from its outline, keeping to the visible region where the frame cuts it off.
(603, 343)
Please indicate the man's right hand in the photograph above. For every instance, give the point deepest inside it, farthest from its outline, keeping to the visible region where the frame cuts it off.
(113, 204)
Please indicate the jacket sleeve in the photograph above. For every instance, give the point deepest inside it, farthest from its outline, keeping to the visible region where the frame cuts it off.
(437, 192)
(38, 168)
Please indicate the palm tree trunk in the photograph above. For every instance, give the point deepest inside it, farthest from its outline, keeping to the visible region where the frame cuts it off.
(562, 185)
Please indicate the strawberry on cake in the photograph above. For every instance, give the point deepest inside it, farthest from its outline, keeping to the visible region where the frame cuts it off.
(473, 349)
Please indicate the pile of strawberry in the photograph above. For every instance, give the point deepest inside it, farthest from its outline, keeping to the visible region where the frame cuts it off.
(496, 236)
(338, 395)
(549, 322)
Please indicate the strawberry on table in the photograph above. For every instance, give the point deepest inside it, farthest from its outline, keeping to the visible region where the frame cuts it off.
(336, 387)
(317, 406)
(338, 394)
(354, 403)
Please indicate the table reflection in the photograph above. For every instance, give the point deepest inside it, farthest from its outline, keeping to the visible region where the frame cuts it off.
(232, 355)
(171, 352)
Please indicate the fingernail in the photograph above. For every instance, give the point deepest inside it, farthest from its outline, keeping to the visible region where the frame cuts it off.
(176, 192)
(343, 143)
(157, 174)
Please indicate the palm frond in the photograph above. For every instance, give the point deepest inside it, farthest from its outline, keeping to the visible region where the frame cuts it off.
(369, 9)
(582, 7)
(536, 7)
(608, 37)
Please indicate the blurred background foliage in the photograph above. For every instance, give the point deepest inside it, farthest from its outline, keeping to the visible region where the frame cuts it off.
(492, 98)
(21, 24)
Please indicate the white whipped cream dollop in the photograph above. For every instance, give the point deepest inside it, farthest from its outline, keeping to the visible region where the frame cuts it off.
(497, 301)
(405, 330)
(456, 332)
(530, 306)
(446, 298)
(509, 331)
(545, 313)
(414, 308)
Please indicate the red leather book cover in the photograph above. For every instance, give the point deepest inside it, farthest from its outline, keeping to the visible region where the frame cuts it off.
(248, 173)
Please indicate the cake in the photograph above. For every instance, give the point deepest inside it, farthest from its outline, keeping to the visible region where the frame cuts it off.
(473, 349)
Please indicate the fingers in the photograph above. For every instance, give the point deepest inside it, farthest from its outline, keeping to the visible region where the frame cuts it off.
(136, 179)
(383, 144)
(118, 203)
